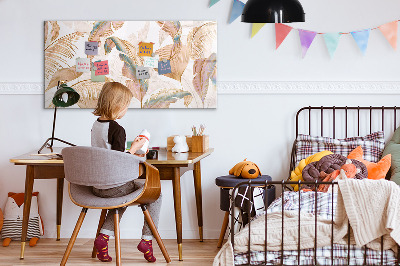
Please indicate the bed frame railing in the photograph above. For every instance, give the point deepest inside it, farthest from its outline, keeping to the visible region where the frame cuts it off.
(342, 117)
(283, 184)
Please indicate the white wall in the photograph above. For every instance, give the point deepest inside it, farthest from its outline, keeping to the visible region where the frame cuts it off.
(259, 127)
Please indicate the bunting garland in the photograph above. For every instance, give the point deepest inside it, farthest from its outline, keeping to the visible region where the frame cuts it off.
(256, 27)
(281, 31)
(306, 39)
(361, 37)
(237, 8)
(389, 30)
(332, 41)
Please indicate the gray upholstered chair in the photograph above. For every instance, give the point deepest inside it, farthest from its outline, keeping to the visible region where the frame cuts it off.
(85, 167)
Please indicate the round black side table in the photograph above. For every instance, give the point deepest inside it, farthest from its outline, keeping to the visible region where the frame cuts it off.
(228, 182)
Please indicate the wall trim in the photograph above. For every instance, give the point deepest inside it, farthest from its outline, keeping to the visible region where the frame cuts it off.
(260, 87)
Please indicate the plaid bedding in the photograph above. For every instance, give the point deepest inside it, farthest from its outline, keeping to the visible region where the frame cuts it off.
(372, 145)
(322, 207)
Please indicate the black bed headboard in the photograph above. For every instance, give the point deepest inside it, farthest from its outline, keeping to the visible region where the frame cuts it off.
(344, 121)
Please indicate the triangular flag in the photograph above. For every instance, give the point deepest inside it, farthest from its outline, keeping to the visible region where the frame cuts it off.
(361, 37)
(255, 28)
(281, 31)
(306, 39)
(213, 2)
(332, 41)
(390, 32)
(237, 8)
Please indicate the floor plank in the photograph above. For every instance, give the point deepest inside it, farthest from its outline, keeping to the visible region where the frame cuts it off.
(50, 252)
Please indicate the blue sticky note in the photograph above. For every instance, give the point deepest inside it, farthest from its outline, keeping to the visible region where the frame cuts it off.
(164, 67)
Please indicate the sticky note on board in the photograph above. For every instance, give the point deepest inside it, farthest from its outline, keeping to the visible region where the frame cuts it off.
(100, 78)
(91, 48)
(82, 65)
(101, 67)
(142, 72)
(145, 48)
(151, 62)
(164, 67)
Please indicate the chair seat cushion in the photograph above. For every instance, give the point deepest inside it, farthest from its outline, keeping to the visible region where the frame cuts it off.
(83, 195)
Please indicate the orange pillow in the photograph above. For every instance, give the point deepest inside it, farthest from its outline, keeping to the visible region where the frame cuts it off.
(375, 170)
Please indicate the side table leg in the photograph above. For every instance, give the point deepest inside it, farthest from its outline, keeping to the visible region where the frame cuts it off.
(223, 229)
(199, 204)
(27, 206)
(60, 190)
(176, 184)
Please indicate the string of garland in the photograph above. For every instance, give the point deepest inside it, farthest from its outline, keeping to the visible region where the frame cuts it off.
(361, 37)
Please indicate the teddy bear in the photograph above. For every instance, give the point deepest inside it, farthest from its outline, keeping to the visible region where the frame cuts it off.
(180, 144)
(245, 169)
(13, 215)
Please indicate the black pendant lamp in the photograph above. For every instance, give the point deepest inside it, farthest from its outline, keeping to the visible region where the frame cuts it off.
(273, 11)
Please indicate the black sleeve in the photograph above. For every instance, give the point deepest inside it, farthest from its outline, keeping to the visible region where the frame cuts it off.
(116, 136)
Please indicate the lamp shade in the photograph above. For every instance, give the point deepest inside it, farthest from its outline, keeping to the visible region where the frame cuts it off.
(273, 11)
(65, 96)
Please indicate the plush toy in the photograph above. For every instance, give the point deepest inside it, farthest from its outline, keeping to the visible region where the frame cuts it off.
(245, 169)
(13, 215)
(296, 174)
(375, 170)
(180, 144)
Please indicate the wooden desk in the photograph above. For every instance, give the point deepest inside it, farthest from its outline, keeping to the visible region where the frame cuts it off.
(171, 167)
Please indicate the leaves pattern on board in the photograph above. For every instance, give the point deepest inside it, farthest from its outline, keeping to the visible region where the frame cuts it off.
(193, 63)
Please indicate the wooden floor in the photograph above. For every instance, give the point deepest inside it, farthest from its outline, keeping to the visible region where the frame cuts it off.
(50, 252)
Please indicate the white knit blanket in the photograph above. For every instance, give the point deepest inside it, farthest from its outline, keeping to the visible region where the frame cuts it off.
(371, 206)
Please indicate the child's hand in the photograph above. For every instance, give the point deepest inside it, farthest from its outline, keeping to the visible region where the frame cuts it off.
(137, 144)
(143, 155)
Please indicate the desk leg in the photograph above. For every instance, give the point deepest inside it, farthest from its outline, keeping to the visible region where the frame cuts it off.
(60, 190)
(27, 206)
(199, 204)
(176, 182)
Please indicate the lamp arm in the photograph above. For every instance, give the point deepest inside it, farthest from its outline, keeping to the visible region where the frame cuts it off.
(54, 126)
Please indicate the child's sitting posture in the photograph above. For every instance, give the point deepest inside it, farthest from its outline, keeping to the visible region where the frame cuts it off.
(113, 103)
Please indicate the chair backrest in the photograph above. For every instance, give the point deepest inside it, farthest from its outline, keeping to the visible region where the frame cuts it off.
(92, 166)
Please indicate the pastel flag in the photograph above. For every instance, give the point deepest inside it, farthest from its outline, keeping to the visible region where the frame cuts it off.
(389, 30)
(332, 41)
(237, 8)
(255, 28)
(281, 31)
(213, 2)
(361, 37)
(306, 39)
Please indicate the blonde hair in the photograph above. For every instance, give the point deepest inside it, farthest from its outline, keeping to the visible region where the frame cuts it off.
(113, 98)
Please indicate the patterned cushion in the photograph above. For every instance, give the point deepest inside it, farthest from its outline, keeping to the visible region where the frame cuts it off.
(372, 144)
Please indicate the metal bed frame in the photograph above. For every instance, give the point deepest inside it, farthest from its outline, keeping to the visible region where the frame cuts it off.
(283, 184)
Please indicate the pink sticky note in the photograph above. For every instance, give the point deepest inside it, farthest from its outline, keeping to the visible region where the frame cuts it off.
(101, 68)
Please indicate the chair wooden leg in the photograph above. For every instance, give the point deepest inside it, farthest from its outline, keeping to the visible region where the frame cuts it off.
(73, 237)
(117, 239)
(223, 229)
(101, 222)
(154, 230)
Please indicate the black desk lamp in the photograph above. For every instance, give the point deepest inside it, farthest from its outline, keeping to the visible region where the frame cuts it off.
(273, 11)
(64, 96)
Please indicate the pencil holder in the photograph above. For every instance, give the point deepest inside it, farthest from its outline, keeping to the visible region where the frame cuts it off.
(200, 143)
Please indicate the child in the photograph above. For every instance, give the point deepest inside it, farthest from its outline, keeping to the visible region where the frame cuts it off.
(113, 103)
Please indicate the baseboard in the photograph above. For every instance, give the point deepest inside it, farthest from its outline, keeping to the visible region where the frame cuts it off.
(260, 87)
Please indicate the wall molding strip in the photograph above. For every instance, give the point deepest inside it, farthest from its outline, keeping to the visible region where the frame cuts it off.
(260, 87)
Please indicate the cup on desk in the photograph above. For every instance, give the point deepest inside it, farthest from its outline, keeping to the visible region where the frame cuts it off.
(152, 155)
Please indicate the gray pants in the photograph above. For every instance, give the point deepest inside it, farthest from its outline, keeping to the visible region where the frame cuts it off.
(154, 208)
